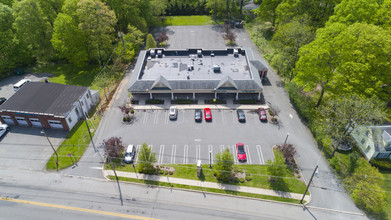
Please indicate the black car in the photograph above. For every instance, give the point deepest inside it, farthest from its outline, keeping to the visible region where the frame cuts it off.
(241, 116)
(198, 115)
(2, 100)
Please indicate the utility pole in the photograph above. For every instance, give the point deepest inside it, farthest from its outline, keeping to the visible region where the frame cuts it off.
(210, 159)
(308, 186)
(43, 132)
(116, 177)
(88, 127)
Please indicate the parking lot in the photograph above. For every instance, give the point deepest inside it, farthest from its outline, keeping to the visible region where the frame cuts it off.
(27, 148)
(184, 141)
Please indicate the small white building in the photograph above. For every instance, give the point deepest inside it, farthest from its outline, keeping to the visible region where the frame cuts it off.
(373, 141)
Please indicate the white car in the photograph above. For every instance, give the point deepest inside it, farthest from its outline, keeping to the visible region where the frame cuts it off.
(173, 113)
(130, 153)
(3, 129)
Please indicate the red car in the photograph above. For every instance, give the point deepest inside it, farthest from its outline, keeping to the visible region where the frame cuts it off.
(262, 114)
(208, 114)
(241, 153)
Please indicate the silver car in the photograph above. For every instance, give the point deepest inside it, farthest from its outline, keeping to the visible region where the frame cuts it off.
(173, 113)
(3, 129)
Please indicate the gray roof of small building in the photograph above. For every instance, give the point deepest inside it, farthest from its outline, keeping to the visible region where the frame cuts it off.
(45, 98)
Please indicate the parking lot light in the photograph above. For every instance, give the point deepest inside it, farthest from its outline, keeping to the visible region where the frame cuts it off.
(287, 135)
(43, 132)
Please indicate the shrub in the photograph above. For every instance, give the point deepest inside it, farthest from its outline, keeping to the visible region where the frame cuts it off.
(236, 180)
(154, 101)
(132, 111)
(114, 146)
(241, 180)
(151, 43)
(162, 37)
(161, 171)
(170, 172)
(382, 164)
(249, 178)
(124, 119)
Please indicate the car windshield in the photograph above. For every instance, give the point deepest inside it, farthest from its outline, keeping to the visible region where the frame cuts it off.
(207, 115)
(128, 154)
(241, 149)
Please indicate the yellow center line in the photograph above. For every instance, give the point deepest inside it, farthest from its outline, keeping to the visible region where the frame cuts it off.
(76, 209)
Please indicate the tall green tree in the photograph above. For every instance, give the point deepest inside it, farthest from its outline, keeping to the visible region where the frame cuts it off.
(84, 31)
(146, 159)
(341, 115)
(267, 11)
(7, 56)
(383, 15)
(33, 24)
(224, 164)
(130, 45)
(352, 59)
(351, 11)
(289, 38)
(97, 24)
(151, 43)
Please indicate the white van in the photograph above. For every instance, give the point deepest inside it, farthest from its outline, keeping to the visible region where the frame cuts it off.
(18, 85)
(130, 153)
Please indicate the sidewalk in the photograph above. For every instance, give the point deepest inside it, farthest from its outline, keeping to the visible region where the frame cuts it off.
(192, 107)
(173, 180)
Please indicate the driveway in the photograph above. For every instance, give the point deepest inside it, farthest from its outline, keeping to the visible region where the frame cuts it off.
(7, 85)
(27, 148)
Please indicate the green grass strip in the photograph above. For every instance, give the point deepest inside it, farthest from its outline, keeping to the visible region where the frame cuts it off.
(189, 20)
(203, 189)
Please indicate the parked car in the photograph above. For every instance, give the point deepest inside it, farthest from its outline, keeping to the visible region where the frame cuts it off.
(173, 113)
(241, 116)
(241, 152)
(130, 153)
(208, 114)
(3, 129)
(262, 114)
(198, 115)
(2, 100)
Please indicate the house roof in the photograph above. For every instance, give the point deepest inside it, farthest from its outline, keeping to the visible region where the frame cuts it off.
(45, 98)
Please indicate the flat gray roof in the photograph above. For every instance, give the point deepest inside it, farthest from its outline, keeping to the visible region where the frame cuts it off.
(174, 67)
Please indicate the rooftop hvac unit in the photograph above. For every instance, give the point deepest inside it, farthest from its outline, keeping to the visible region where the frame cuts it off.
(159, 53)
(216, 68)
(236, 52)
(152, 53)
(199, 53)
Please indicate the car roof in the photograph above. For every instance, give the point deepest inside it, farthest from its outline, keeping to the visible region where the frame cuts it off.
(130, 148)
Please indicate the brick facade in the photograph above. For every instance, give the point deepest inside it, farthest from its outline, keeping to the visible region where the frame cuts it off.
(42, 118)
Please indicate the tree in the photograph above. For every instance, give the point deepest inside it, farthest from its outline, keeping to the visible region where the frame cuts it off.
(383, 15)
(340, 116)
(84, 31)
(347, 59)
(151, 43)
(288, 152)
(97, 24)
(7, 60)
(146, 159)
(114, 147)
(289, 38)
(229, 36)
(267, 11)
(352, 11)
(276, 169)
(33, 25)
(224, 164)
(131, 44)
(364, 184)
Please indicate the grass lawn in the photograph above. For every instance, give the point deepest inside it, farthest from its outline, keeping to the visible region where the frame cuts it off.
(259, 176)
(189, 20)
(387, 187)
(76, 143)
(203, 189)
(68, 73)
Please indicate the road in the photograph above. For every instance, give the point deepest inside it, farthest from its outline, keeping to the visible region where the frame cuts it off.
(56, 196)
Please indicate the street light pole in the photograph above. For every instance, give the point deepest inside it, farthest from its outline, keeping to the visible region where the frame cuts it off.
(287, 135)
(43, 132)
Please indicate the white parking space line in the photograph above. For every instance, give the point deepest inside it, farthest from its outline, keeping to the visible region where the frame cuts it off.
(210, 153)
(183, 116)
(173, 153)
(235, 154)
(234, 120)
(145, 118)
(155, 120)
(165, 117)
(248, 154)
(185, 154)
(223, 117)
(137, 151)
(161, 154)
(221, 148)
(198, 153)
(260, 155)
